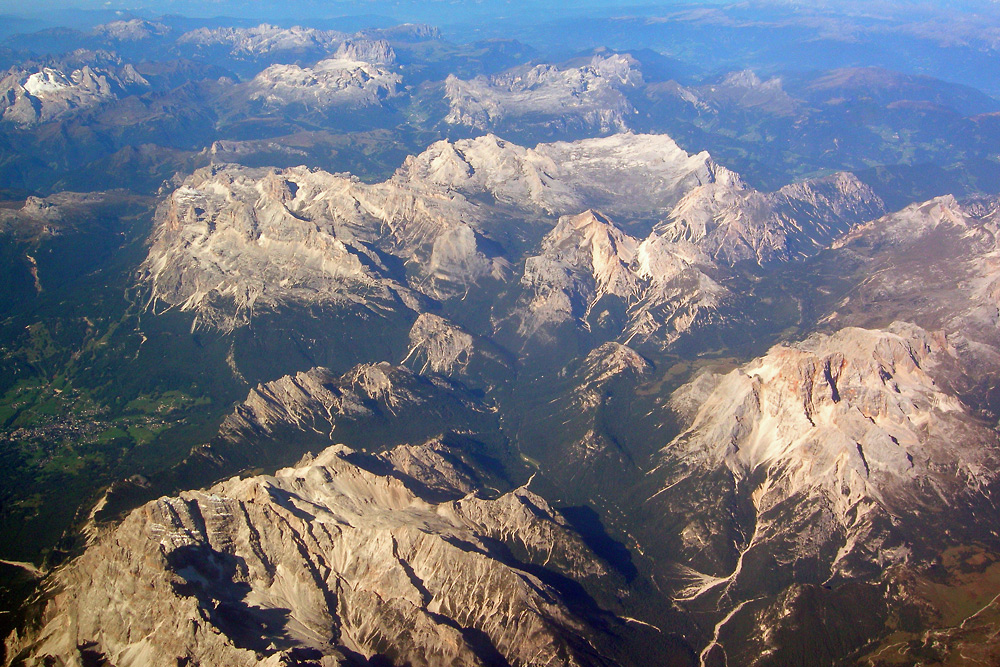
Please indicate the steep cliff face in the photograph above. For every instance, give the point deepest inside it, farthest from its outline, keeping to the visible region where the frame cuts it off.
(40, 218)
(840, 456)
(582, 260)
(732, 223)
(637, 175)
(232, 239)
(669, 282)
(324, 563)
(131, 30)
(856, 415)
(367, 397)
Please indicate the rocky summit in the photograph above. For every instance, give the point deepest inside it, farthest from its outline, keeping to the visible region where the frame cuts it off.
(555, 335)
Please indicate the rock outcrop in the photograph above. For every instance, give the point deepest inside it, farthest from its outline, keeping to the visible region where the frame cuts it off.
(588, 97)
(132, 30)
(341, 82)
(936, 263)
(29, 97)
(322, 564)
(232, 239)
(264, 40)
(842, 456)
(731, 222)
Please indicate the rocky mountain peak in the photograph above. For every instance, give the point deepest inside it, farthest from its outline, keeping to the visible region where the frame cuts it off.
(731, 222)
(132, 30)
(612, 360)
(263, 39)
(321, 560)
(376, 51)
(913, 222)
(855, 414)
(376, 381)
(50, 93)
(442, 347)
(588, 96)
(338, 82)
(592, 241)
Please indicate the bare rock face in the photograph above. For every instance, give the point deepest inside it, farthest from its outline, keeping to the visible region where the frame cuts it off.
(132, 30)
(264, 40)
(669, 280)
(318, 400)
(573, 98)
(806, 467)
(612, 360)
(42, 217)
(50, 93)
(732, 223)
(603, 366)
(586, 259)
(376, 51)
(335, 83)
(439, 346)
(937, 263)
(232, 239)
(856, 414)
(744, 90)
(641, 175)
(317, 563)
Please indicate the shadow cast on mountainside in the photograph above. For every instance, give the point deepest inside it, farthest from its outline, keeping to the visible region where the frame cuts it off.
(212, 577)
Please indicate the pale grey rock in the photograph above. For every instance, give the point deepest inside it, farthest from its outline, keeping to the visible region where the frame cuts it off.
(612, 360)
(936, 263)
(852, 423)
(233, 239)
(225, 150)
(586, 258)
(641, 175)
(375, 51)
(404, 32)
(41, 218)
(679, 290)
(731, 222)
(132, 30)
(29, 97)
(829, 459)
(264, 39)
(744, 90)
(587, 97)
(433, 465)
(321, 557)
(317, 399)
(335, 83)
